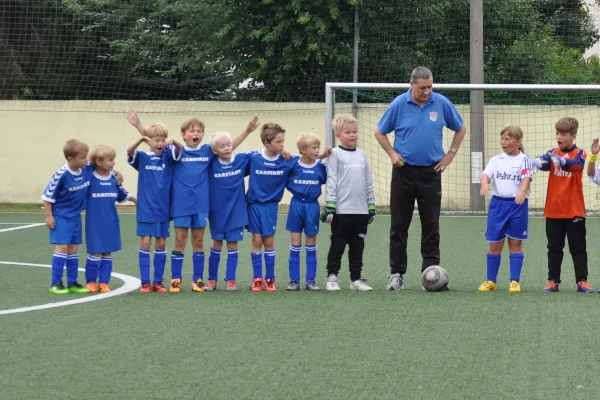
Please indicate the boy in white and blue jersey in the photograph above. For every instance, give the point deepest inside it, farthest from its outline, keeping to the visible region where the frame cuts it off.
(155, 171)
(228, 214)
(190, 198)
(511, 173)
(304, 182)
(64, 200)
(102, 228)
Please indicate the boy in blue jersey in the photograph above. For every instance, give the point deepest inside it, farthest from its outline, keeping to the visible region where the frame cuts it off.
(64, 200)
(304, 182)
(268, 176)
(102, 230)
(190, 198)
(228, 215)
(269, 171)
(155, 171)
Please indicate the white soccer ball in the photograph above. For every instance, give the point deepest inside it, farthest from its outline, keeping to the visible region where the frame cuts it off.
(434, 278)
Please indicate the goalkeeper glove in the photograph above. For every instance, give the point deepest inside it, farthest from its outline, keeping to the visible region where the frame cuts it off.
(539, 162)
(372, 212)
(328, 212)
(558, 162)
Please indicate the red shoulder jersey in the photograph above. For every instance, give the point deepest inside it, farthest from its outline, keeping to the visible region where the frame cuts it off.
(564, 198)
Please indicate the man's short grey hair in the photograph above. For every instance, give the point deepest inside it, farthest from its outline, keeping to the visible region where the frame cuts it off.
(420, 73)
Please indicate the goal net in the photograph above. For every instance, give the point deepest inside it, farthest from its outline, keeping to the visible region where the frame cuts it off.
(534, 107)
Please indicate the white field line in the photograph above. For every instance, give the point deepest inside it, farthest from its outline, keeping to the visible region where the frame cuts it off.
(130, 284)
(16, 228)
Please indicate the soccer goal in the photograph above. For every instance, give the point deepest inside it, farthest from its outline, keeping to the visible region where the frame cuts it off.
(534, 107)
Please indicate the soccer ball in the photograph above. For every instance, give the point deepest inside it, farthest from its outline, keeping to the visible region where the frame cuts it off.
(434, 278)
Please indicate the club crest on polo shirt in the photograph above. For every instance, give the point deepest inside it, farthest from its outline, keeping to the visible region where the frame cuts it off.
(433, 116)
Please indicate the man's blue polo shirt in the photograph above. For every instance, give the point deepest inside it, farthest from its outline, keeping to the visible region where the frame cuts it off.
(419, 130)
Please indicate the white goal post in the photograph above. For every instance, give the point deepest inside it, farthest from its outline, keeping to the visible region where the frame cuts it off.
(537, 121)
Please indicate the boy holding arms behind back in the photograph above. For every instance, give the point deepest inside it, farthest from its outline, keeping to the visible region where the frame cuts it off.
(350, 204)
(64, 200)
(565, 207)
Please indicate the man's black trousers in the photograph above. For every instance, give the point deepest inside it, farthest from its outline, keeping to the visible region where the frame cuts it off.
(423, 184)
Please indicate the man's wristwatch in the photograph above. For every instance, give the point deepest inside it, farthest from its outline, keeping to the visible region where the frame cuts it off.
(453, 150)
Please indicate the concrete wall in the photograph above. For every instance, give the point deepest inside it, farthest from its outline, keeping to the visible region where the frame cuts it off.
(34, 133)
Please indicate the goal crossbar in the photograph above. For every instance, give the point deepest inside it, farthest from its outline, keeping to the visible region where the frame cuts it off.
(331, 86)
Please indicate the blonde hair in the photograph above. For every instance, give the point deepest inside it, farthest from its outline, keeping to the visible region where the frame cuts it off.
(340, 119)
(75, 147)
(157, 130)
(515, 132)
(269, 131)
(190, 122)
(101, 152)
(567, 124)
(214, 139)
(307, 139)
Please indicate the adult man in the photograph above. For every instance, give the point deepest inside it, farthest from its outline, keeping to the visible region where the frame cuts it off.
(417, 117)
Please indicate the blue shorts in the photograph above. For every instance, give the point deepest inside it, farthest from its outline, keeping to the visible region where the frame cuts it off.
(191, 221)
(66, 231)
(234, 235)
(154, 229)
(262, 218)
(506, 219)
(303, 217)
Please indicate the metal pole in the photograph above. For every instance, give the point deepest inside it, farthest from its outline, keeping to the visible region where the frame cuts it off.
(329, 138)
(355, 65)
(476, 133)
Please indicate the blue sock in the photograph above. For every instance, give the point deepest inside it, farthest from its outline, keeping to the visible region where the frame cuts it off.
(493, 266)
(198, 265)
(105, 269)
(516, 264)
(311, 262)
(144, 261)
(232, 263)
(72, 265)
(294, 262)
(176, 264)
(256, 265)
(91, 269)
(213, 264)
(58, 265)
(270, 264)
(160, 260)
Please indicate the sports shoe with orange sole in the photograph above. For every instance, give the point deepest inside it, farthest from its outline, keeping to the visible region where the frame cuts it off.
(146, 288)
(270, 285)
(257, 285)
(231, 285)
(159, 287)
(103, 288)
(92, 287)
(198, 286)
(175, 286)
(211, 285)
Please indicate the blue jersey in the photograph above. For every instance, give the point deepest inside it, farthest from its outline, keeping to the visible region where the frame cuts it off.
(102, 230)
(305, 180)
(227, 202)
(154, 184)
(418, 130)
(67, 191)
(190, 181)
(268, 176)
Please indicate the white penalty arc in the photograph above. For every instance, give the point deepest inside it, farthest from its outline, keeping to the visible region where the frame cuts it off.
(130, 284)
